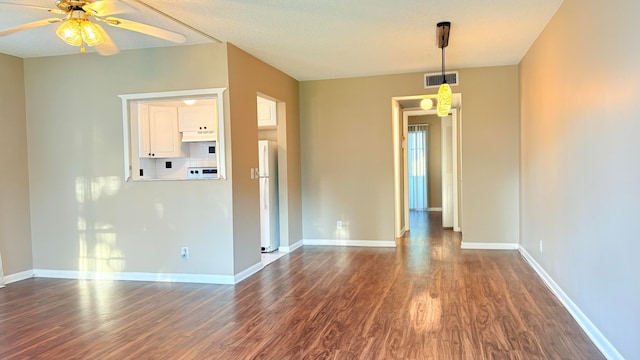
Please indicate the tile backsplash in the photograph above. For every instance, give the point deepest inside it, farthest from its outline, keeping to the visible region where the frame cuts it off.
(200, 154)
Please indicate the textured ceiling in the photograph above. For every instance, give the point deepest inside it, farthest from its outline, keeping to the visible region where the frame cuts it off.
(312, 39)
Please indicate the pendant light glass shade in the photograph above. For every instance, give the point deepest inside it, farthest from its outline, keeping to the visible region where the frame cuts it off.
(70, 32)
(426, 104)
(444, 99)
(91, 33)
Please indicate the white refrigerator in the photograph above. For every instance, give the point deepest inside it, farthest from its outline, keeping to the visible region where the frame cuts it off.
(268, 176)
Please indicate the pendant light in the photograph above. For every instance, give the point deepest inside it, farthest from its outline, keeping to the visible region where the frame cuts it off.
(426, 104)
(444, 92)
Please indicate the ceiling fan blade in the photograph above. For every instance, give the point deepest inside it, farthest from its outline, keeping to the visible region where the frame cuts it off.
(107, 47)
(146, 29)
(55, 11)
(30, 26)
(107, 7)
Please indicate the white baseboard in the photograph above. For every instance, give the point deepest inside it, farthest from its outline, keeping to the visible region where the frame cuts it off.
(607, 349)
(298, 244)
(23, 275)
(434, 209)
(136, 276)
(248, 272)
(337, 242)
(489, 246)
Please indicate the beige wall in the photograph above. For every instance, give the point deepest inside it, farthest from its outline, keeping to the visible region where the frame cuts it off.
(347, 156)
(84, 217)
(15, 231)
(434, 142)
(249, 76)
(580, 170)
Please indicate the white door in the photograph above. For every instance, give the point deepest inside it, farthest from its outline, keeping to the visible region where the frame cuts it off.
(447, 171)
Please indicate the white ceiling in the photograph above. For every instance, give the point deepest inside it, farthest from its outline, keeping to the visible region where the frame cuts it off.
(320, 39)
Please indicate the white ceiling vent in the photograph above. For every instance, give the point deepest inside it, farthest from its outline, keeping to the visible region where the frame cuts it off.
(433, 80)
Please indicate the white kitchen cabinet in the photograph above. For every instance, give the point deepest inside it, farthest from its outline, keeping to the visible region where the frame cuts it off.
(197, 118)
(267, 114)
(159, 135)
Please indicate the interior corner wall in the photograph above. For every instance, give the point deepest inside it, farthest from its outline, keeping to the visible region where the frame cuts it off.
(15, 228)
(580, 171)
(84, 216)
(249, 76)
(347, 154)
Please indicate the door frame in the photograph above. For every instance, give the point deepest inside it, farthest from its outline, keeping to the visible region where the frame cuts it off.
(400, 120)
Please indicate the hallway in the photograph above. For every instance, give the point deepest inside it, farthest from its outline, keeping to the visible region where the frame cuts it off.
(426, 299)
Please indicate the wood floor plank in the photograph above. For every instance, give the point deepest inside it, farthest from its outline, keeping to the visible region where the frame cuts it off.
(426, 299)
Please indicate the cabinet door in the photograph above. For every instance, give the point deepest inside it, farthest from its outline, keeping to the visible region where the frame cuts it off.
(144, 143)
(197, 118)
(164, 137)
(267, 115)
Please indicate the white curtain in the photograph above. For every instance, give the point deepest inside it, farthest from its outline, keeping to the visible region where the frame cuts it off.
(417, 157)
(1, 273)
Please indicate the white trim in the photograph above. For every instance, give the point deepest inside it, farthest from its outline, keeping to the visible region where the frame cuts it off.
(136, 276)
(23, 275)
(455, 145)
(339, 242)
(607, 349)
(297, 245)
(489, 246)
(248, 272)
(397, 202)
(434, 209)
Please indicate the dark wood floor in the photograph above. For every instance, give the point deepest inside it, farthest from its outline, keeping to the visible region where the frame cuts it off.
(427, 299)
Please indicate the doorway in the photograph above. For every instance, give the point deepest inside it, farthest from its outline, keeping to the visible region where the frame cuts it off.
(450, 192)
(272, 174)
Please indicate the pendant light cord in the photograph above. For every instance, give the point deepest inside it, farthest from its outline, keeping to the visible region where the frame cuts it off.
(444, 78)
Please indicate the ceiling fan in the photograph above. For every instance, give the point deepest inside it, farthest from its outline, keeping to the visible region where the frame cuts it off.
(77, 29)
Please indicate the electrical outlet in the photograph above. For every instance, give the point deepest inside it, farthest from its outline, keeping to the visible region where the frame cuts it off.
(541, 247)
(339, 225)
(184, 252)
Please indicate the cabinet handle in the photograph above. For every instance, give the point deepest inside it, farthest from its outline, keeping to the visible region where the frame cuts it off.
(200, 127)
(149, 154)
(205, 128)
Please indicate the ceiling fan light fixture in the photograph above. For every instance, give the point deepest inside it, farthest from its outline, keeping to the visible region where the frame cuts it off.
(78, 30)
